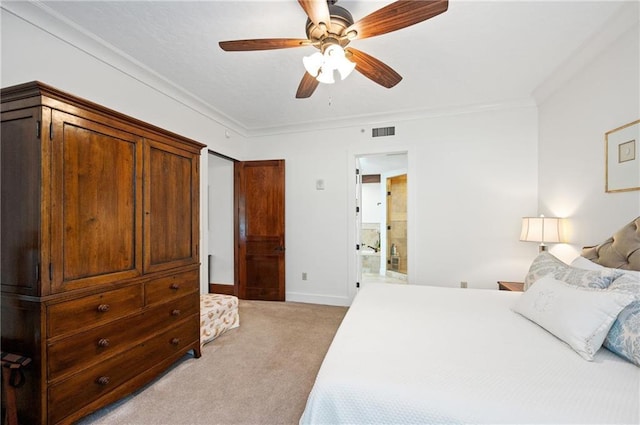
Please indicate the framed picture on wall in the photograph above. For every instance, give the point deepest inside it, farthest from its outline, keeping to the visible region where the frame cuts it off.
(622, 163)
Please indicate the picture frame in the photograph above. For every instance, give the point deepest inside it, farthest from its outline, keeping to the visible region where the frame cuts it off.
(622, 163)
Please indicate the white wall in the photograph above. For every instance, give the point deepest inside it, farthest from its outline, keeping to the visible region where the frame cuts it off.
(472, 176)
(220, 220)
(603, 95)
(31, 52)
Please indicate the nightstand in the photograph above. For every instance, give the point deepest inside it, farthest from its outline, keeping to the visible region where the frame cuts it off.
(510, 286)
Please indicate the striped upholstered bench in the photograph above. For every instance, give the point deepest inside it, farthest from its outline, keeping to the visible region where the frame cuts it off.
(218, 314)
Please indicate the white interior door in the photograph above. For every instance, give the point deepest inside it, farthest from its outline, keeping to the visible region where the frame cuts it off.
(358, 213)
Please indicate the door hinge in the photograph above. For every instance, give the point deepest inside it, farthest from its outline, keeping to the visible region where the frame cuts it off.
(50, 271)
(357, 247)
(51, 131)
(357, 171)
(389, 193)
(357, 284)
(37, 272)
(357, 209)
(38, 125)
(388, 227)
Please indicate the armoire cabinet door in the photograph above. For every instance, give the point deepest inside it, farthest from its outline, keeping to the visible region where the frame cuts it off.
(24, 226)
(171, 202)
(96, 198)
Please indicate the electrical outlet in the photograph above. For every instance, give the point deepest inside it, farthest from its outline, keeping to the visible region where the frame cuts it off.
(304, 275)
(463, 284)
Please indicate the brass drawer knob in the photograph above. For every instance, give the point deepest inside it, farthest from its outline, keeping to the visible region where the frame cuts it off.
(103, 380)
(103, 342)
(102, 308)
(175, 312)
(175, 341)
(175, 286)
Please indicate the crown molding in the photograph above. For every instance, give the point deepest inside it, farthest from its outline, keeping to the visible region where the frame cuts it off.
(395, 117)
(39, 15)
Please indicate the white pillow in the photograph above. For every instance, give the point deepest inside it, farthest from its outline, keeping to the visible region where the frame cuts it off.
(585, 264)
(579, 316)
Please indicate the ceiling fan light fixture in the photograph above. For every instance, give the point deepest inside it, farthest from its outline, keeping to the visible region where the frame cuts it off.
(345, 68)
(312, 63)
(325, 76)
(332, 55)
(322, 66)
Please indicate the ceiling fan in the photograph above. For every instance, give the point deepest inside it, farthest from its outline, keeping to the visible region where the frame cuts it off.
(330, 28)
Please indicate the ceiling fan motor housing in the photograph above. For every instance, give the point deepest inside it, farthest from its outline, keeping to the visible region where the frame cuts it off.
(341, 19)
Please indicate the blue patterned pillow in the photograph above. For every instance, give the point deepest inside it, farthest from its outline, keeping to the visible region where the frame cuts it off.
(624, 336)
(546, 264)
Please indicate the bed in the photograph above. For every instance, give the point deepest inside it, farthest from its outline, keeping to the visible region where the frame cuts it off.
(410, 354)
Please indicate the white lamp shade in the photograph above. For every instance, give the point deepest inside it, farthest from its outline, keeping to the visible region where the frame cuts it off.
(541, 229)
(326, 75)
(332, 56)
(345, 68)
(313, 63)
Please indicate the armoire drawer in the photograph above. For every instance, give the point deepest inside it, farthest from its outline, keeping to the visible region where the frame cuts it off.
(82, 388)
(165, 288)
(77, 351)
(93, 310)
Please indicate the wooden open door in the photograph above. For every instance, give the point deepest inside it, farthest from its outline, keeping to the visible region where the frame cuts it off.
(259, 230)
(397, 224)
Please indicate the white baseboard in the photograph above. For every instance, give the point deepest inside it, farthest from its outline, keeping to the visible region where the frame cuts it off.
(317, 299)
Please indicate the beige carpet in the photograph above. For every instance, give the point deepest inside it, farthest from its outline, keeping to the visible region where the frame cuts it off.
(259, 373)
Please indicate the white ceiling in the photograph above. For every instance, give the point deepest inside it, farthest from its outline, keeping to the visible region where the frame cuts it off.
(476, 53)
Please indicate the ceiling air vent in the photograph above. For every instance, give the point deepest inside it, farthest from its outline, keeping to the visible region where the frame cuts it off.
(383, 131)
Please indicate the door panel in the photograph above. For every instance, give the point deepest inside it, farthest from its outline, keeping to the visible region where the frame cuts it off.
(397, 223)
(20, 179)
(95, 174)
(171, 201)
(259, 204)
(358, 224)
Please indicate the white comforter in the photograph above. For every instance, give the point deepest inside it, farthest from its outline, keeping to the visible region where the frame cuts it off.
(408, 354)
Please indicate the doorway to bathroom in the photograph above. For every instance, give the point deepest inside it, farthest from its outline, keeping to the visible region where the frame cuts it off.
(381, 225)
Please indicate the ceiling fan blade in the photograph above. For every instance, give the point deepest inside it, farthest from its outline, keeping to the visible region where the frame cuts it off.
(397, 15)
(317, 11)
(374, 69)
(307, 86)
(263, 44)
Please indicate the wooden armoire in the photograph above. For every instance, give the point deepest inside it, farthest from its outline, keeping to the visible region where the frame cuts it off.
(100, 264)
